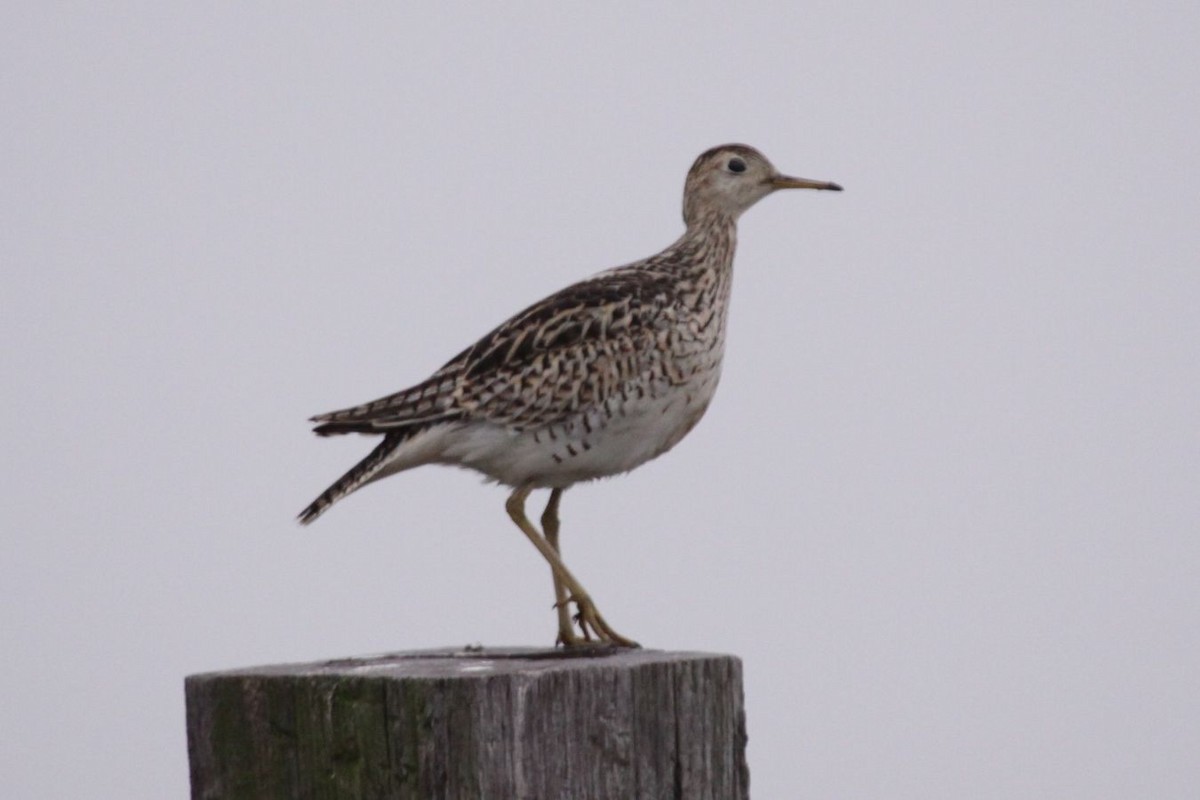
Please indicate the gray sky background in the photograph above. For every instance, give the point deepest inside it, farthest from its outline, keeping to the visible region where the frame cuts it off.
(945, 505)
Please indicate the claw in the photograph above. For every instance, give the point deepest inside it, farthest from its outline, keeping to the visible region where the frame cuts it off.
(591, 622)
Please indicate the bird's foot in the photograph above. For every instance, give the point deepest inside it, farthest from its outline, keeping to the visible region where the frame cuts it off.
(592, 625)
(568, 638)
(566, 630)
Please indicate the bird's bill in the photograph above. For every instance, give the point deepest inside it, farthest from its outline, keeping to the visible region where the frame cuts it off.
(788, 182)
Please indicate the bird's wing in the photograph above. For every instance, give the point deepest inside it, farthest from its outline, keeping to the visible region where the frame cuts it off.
(540, 365)
(424, 403)
(572, 349)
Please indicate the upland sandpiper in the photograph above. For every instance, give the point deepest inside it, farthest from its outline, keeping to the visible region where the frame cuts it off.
(593, 381)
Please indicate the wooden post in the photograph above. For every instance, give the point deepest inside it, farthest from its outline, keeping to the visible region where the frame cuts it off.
(511, 724)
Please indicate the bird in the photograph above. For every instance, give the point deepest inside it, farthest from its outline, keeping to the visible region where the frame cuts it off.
(592, 381)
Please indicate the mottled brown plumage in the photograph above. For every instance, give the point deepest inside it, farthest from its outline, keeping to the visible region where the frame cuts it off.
(594, 380)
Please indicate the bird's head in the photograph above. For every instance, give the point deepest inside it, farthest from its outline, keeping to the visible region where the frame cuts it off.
(728, 179)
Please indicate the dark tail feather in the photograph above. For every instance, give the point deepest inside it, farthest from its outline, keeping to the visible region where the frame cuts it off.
(360, 474)
(331, 425)
(334, 428)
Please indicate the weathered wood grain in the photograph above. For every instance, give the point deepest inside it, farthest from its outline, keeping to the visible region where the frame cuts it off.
(488, 724)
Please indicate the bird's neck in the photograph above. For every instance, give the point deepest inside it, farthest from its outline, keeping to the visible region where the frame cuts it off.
(709, 242)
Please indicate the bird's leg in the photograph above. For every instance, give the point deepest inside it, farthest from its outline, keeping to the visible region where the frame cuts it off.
(590, 620)
(562, 600)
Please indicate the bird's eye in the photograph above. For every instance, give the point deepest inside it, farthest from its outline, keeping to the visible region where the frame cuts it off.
(736, 165)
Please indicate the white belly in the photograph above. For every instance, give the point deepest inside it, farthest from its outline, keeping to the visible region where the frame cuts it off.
(596, 444)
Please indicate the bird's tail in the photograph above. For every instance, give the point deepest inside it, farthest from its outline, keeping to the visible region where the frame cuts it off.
(359, 475)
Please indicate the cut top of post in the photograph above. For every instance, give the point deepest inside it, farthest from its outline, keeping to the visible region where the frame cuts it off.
(602, 722)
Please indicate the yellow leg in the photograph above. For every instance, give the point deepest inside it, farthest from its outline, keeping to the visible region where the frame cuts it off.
(590, 620)
(562, 600)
